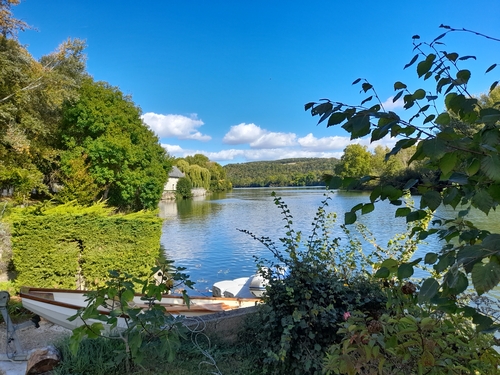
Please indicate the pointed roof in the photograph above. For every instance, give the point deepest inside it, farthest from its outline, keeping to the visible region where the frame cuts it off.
(176, 173)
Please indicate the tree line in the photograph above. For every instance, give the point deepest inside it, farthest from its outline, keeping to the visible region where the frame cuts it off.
(285, 172)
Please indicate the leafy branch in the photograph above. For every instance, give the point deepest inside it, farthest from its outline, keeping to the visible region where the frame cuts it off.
(466, 158)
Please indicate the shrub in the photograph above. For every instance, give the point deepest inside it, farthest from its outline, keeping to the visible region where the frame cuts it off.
(70, 246)
(412, 341)
(302, 310)
(184, 187)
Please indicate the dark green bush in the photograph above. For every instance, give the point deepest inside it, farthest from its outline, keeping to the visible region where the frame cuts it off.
(306, 298)
(302, 314)
(184, 187)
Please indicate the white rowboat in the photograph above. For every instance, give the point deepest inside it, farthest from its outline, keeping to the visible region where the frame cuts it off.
(57, 305)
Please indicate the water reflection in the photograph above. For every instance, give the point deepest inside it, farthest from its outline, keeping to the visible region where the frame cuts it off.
(202, 235)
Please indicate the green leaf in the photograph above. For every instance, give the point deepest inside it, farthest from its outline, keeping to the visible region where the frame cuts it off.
(448, 162)
(431, 199)
(127, 296)
(485, 276)
(397, 96)
(493, 85)
(367, 208)
(389, 191)
(461, 283)
(404, 271)
(490, 68)
(444, 262)
(333, 182)
(390, 264)
(411, 62)
(416, 215)
(443, 119)
(490, 165)
(308, 106)
(463, 77)
(440, 37)
(382, 273)
(468, 57)
(430, 258)
(428, 290)
(483, 201)
(399, 85)
(358, 126)
(482, 322)
(473, 167)
(442, 82)
(451, 197)
(434, 148)
(402, 211)
(470, 255)
(367, 100)
(419, 94)
(336, 118)
(357, 207)
(451, 56)
(350, 218)
(366, 86)
(425, 65)
(429, 118)
(492, 242)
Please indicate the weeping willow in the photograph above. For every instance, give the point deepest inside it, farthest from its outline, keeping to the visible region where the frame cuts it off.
(199, 176)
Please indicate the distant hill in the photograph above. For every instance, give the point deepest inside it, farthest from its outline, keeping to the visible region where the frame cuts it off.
(284, 172)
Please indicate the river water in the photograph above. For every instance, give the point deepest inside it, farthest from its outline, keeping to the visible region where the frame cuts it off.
(202, 234)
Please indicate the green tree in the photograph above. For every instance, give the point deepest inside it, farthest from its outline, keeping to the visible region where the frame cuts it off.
(31, 94)
(124, 156)
(199, 176)
(383, 167)
(204, 173)
(198, 159)
(77, 182)
(492, 99)
(355, 162)
(468, 167)
(184, 187)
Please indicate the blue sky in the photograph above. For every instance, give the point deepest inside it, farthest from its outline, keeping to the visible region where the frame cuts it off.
(229, 79)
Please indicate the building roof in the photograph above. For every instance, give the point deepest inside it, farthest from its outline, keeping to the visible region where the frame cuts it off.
(176, 173)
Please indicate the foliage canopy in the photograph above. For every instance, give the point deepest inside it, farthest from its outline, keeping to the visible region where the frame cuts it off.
(467, 162)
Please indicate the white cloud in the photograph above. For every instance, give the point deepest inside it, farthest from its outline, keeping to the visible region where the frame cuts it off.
(274, 140)
(243, 133)
(325, 143)
(390, 105)
(175, 126)
(172, 149)
(257, 137)
(386, 141)
(279, 153)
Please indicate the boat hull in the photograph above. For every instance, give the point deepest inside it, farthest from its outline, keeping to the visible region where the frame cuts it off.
(57, 305)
